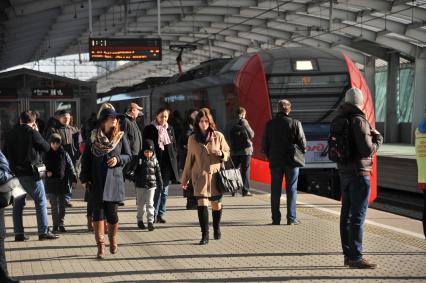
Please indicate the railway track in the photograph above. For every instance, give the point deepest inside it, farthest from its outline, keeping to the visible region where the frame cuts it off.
(402, 203)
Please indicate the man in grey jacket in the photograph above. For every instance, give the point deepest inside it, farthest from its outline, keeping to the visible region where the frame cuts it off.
(131, 129)
(240, 134)
(355, 179)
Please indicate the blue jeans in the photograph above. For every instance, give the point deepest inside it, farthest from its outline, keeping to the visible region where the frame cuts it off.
(291, 178)
(161, 194)
(243, 162)
(36, 190)
(355, 194)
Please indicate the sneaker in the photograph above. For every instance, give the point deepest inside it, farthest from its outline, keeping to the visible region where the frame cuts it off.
(361, 264)
(47, 236)
(62, 229)
(294, 222)
(69, 204)
(151, 226)
(160, 219)
(141, 225)
(275, 223)
(55, 229)
(233, 194)
(21, 238)
(121, 203)
(247, 194)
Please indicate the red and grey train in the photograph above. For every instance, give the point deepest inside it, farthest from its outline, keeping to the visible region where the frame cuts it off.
(314, 80)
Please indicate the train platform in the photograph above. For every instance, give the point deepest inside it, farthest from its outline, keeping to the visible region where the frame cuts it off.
(250, 250)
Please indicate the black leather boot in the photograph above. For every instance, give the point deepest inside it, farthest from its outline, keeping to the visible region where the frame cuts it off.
(203, 218)
(217, 215)
(4, 278)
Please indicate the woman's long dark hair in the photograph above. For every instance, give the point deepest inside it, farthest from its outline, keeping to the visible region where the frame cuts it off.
(203, 112)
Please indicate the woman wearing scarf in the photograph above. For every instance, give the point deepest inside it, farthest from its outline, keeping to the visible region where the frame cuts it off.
(421, 163)
(164, 139)
(207, 149)
(102, 175)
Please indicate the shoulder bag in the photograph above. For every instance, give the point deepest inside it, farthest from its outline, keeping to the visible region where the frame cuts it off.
(296, 156)
(10, 191)
(229, 178)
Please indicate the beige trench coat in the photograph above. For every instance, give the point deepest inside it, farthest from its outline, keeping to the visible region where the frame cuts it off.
(201, 166)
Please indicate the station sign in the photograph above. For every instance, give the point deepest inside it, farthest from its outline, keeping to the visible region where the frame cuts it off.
(126, 49)
(51, 92)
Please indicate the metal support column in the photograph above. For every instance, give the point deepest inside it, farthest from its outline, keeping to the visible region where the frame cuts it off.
(159, 17)
(370, 75)
(391, 119)
(419, 92)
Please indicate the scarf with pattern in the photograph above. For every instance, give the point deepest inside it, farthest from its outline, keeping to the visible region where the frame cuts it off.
(163, 135)
(101, 145)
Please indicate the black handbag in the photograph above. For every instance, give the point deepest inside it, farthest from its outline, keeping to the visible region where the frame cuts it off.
(296, 156)
(129, 169)
(229, 178)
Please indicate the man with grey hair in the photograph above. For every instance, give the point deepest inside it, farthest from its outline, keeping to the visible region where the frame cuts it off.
(281, 134)
(363, 141)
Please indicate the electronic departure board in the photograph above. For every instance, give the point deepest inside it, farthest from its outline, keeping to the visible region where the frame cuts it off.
(129, 49)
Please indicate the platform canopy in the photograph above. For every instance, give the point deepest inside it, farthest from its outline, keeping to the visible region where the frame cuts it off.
(34, 30)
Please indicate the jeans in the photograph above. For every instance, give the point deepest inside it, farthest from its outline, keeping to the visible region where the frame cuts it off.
(291, 178)
(355, 194)
(3, 265)
(243, 162)
(145, 201)
(160, 197)
(57, 202)
(35, 188)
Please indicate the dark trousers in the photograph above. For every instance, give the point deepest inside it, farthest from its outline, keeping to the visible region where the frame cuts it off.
(243, 162)
(291, 178)
(161, 194)
(57, 202)
(355, 194)
(106, 209)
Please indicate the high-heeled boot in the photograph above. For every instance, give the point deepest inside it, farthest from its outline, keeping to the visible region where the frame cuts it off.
(99, 228)
(217, 215)
(112, 236)
(203, 218)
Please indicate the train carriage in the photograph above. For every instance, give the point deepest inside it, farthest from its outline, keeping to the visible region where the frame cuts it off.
(314, 80)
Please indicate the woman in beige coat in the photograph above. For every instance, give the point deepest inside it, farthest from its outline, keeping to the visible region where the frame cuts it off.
(207, 149)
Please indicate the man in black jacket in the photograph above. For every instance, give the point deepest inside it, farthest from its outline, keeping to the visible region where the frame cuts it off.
(24, 146)
(355, 179)
(280, 133)
(131, 129)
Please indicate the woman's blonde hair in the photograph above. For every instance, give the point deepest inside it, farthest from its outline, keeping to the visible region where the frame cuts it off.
(105, 105)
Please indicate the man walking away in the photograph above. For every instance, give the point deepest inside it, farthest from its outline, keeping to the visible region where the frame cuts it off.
(131, 129)
(356, 142)
(24, 146)
(281, 134)
(240, 134)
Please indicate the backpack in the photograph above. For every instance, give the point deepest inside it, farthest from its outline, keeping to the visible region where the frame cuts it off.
(340, 144)
(239, 137)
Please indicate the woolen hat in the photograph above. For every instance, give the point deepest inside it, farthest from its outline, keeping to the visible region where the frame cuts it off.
(148, 145)
(354, 96)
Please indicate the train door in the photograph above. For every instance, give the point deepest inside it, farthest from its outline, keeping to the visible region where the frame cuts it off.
(9, 113)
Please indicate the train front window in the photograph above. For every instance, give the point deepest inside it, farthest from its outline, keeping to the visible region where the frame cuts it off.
(314, 98)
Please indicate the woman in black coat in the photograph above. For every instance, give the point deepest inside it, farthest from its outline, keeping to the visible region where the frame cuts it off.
(164, 139)
(102, 175)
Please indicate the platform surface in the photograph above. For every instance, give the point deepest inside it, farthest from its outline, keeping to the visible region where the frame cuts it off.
(250, 250)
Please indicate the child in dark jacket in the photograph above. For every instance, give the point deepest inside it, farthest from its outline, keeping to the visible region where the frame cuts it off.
(147, 180)
(60, 171)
